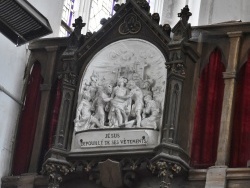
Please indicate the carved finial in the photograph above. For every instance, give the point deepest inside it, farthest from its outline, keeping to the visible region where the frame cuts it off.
(78, 25)
(103, 21)
(185, 14)
(167, 29)
(117, 7)
(156, 17)
(143, 4)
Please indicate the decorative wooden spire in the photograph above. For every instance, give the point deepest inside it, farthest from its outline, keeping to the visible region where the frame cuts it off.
(185, 14)
(78, 25)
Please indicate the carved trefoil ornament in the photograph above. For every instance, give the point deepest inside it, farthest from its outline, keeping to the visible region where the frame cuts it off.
(131, 25)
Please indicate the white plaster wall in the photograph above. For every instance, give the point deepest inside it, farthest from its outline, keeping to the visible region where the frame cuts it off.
(245, 13)
(8, 116)
(170, 10)
(194, 8)
(216, 11)
(82, 8)
(203, 12)
(12, 62)
(52, 10)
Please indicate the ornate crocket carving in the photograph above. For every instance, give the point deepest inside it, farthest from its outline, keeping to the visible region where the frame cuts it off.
(165, 170)
(56, 173)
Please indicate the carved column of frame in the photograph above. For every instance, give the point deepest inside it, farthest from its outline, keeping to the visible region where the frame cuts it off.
(171, 158)
(166, 166)
(68, 91)
(56, 165)
(176, 75)
(68, 73)
(174, 88)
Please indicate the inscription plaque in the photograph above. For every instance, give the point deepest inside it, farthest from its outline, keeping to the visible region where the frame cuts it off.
(115, 138)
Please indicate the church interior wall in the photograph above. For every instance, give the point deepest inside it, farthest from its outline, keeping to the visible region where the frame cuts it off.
(216, 11)
(195, 7)
(244, 53)
(52, 10)
(209, 45)
(244, 12)
(169, 10)
(14, 60)
(231, 10)
(13, 64)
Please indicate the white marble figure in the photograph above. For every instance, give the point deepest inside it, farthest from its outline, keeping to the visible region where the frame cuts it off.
(119, 105)
(137, 101)
(131, 66)
(146, 87)
(93, 86)
(84, 120)
(151, 113)
(100, 102)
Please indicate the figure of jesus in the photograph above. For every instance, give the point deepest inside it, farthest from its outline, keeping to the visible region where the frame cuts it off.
(119, 104)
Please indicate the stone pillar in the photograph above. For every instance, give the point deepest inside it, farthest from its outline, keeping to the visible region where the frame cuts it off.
(216, 175)
(223, 152)
(42, 117)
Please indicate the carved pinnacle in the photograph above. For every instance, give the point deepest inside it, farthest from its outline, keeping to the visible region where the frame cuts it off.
(78, 23)
(185, 14)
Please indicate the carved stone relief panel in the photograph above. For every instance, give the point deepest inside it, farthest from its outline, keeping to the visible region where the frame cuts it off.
(122, 90)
